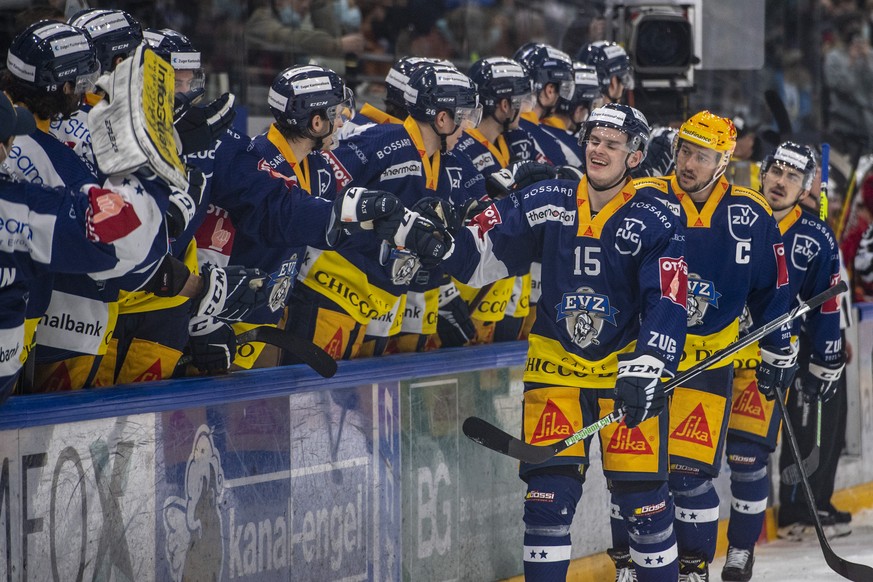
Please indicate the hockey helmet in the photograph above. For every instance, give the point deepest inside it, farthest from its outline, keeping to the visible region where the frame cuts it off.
(587, 89)
(300, 92)
(175, 48)
(624, 118)
(545, 64)
(435, 88)
(796, 156)
(114, 33)
(610, 60)
(397, 78)
(49, 53)
(707, 130)
(521, 54)
(499, 78)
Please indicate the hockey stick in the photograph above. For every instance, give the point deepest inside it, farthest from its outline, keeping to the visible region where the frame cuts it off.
(791, 474)
(780, 114)
(307, 352)
(488, 435)
(846, 569)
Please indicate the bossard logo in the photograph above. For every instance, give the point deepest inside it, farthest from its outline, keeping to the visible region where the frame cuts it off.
(585, 312)
(749, 403)
(552, 425)
(701, 294)
(192, 523)
(694, 429)
(629, 441)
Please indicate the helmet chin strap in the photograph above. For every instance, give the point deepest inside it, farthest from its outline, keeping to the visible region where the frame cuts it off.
(318, 139)
(443, 136)
(715, 176)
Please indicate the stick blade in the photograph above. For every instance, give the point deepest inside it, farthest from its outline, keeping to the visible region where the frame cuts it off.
(306, 351)
(489, 436)
(791, 474)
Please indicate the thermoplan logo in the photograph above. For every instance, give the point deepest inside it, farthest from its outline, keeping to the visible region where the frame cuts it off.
(551, 212)
(396, 171)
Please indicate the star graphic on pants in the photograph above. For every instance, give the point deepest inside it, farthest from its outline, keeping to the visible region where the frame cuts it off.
(693, 516)
(543, 554)
(660, 559)
(533, 554)
(648, 560)
(746, 506)
(682, 514)
(125, 182)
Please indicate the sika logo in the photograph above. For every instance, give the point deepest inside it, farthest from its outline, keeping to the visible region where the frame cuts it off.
(335, 346)
(749, 403)
(629, 441)
(552, 425)
(694, 429)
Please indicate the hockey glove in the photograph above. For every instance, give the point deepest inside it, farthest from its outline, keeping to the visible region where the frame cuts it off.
(638, 388)
(439, 211)
(169, 279)
(470, 209)
(454, 326)
(211, 345)
(230, 293)
(569, 173)
(199, 127)
(777, 368)
(411, 232)
(519, 175)
(183, 204)
(357, 208)
(819, 380)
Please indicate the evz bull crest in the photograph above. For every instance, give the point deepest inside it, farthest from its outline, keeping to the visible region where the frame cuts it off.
(584, 312)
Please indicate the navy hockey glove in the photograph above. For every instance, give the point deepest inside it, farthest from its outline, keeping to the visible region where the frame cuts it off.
(519, 175)
(211, 345)
(169, 279)
(357, 209)
(231, 293)
(639, 389)
(183, 204)
(199, 127)
(470, 209)
(454, 326)
(819, 380)
(411, 232)
(439, 211)
(777, 368)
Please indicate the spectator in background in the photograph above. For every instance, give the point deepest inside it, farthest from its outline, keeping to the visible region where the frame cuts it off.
(852, 238)
(303, 28)
(848, 75)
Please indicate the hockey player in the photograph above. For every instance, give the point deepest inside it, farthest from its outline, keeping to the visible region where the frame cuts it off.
(735, 257)
(309, 104)
(610, 322)
(566, 120)
(786, 177)
(614, 71)
(551, 72)
(410, 160)
(115, 34)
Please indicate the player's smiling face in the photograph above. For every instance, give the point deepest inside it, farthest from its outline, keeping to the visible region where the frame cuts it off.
(606, 154)
(782, 186)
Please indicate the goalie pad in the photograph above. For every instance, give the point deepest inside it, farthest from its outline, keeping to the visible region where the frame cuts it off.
(132, 127)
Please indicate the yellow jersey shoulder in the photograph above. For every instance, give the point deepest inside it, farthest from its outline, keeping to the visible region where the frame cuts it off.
(660, 184)
(754, 195)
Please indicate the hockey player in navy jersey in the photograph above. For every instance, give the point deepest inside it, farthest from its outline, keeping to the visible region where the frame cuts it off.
(614, 71)
(309, 104)
(735, 257)
(813, 266)
(411, 161)
(610, 325)
(566, 120)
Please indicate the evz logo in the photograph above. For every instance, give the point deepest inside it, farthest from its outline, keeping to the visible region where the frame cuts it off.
(805, 249)
(701, 294)
(584, 312)
(741, 217)
(283, 281)
(629, 237)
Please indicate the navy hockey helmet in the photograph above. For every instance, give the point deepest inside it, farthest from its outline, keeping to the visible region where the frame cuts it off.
(397, 78)
(624, 118)
(521, 54)
(114, 33)
(499, 78)
(177, 49)
(300, 92)
(435, 88)
(610, 60)
(545, 64)
(49, 54)
(793, 155)
(586, 92)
